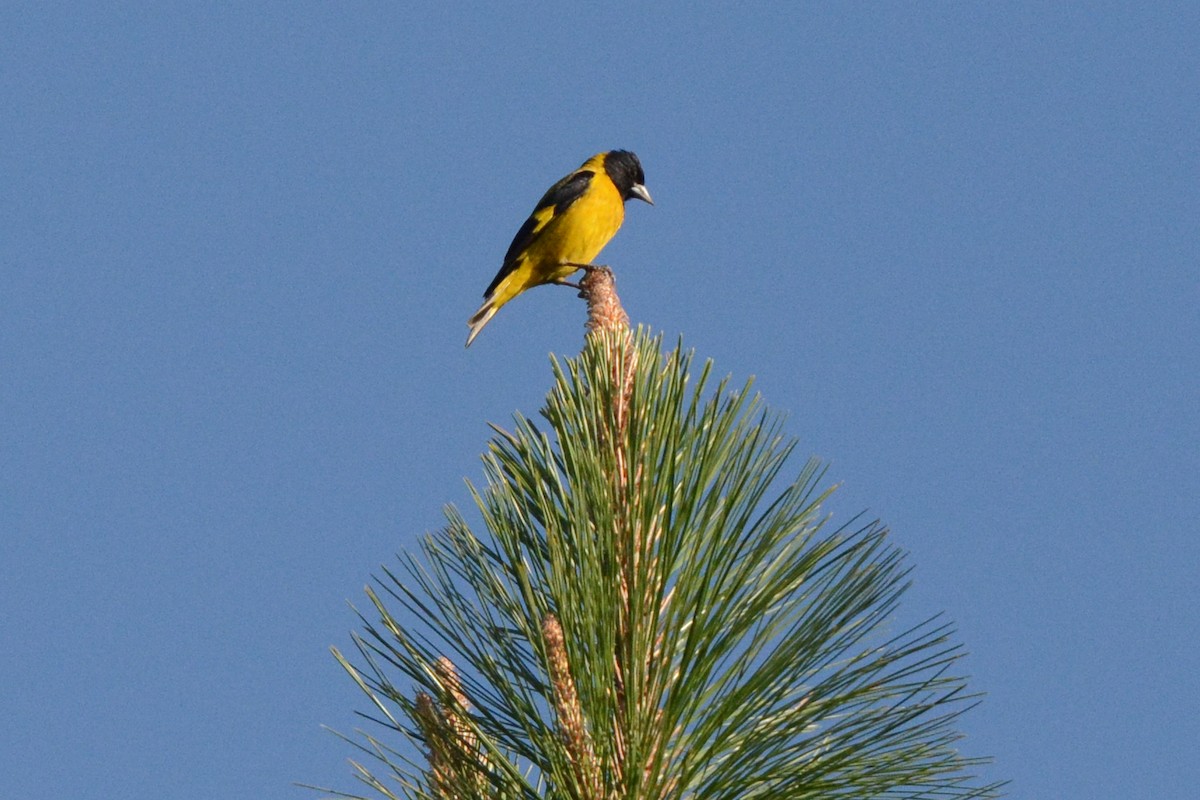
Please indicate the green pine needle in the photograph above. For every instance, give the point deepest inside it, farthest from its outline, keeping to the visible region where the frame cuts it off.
(721, 640)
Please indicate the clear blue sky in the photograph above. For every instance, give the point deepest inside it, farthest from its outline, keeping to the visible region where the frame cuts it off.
(956, 243)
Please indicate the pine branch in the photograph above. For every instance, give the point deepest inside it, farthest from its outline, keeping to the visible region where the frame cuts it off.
(647, 614)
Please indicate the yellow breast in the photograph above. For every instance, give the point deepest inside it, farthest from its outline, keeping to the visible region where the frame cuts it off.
(582, 231)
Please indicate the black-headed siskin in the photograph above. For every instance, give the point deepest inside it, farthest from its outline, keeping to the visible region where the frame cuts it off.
(571, 224)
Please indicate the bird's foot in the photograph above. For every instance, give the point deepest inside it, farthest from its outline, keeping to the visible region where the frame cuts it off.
(577, 265)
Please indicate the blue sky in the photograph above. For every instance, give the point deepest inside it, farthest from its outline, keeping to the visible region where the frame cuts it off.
(956, 244)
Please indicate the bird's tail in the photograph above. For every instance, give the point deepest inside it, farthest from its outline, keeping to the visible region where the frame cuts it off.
(482, 317)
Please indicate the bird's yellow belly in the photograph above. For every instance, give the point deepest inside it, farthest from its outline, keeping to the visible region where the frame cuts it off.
(580, 235)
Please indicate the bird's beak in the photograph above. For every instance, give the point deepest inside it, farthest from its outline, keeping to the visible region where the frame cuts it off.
(640, 192)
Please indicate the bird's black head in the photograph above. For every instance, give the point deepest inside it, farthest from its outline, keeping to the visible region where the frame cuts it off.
(626, 173)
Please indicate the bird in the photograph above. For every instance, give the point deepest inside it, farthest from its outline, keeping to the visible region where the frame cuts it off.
(568, 228)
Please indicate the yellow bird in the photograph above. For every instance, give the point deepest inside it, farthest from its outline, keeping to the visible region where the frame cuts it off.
(568, 228)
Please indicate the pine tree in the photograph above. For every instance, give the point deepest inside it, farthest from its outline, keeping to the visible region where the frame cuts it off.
(647, 613)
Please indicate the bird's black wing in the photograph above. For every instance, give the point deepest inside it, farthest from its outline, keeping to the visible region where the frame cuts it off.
(554, 202)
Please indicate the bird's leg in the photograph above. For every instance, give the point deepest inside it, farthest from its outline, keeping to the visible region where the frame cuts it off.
(579, 265)
(576, 265)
